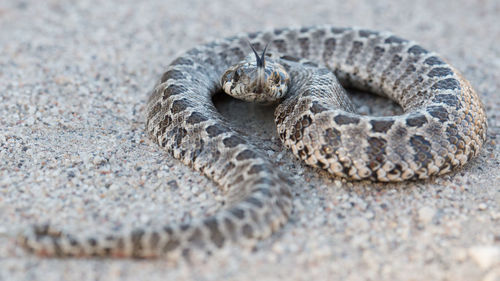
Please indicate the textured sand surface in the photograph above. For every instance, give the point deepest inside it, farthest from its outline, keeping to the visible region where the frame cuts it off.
(74, 78)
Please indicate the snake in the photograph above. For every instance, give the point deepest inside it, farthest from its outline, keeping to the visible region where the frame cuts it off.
(304, 71)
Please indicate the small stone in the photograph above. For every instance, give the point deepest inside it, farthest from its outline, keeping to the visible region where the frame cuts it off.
(98, 160)
(485, 256)
(369, 215)
(338, 183)
(425, 214)
(482, 206)
(495, 215)
(461, 255)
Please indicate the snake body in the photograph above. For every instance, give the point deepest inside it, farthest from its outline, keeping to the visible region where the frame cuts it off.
(443, 126)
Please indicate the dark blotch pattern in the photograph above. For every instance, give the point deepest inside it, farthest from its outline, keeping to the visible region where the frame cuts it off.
(433, 61)
(330, 45)
(367, 33)
(345, 120)
(171, 245)
(438, 112)
(93, 241)
(173, 90)
(440, 72)
(278, 31)
(290, 58)
(253, 35)
(246, 154)
(136, 238)
(229, 225)
(395, 39)
(168, 230)
(355, 50)
(233, 141)
(196, 237)
(238, 213)
(446, 84)
(254, 201)
(280, 45)
(196, 118)
(215, 130)
(247, 231)
(416, 120)
(179, 106)
(215, 234)
(320, 33)
(154, 239)
(381, 126)
(338, 30)
(73, 242)
(256, 169)
(417, 50)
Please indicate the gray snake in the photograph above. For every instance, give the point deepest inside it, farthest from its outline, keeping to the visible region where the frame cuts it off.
(443, 126)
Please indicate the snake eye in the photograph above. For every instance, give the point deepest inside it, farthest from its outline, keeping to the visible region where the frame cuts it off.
(276, 78)
(236, 76)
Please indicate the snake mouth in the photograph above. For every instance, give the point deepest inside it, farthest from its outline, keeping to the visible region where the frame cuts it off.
(261, 73)
(261, 62)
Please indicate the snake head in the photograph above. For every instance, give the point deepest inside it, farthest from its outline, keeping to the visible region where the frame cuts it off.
(256, 79)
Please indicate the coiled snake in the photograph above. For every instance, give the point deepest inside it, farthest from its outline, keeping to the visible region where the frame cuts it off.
(443, 126)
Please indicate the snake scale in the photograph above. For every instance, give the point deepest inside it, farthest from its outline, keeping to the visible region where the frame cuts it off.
(442, 127)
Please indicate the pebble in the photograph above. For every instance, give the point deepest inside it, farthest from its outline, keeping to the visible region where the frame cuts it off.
(485, 256)
(425, 214)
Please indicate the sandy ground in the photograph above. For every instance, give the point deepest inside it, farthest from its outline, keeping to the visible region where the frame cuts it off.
(74, 78)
